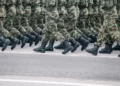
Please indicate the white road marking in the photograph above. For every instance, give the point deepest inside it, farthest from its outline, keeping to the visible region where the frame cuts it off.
(49, 82)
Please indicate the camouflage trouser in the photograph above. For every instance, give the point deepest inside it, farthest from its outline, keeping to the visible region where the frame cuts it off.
(5, 33)
(118, 22)
(37, 30)
(14, 32)
(18, 25)
(57, 35)
(51, 31)
(64, 33)
(73, 30)
(101, 38)
(83, 27)
(114, 36)
(109, 37)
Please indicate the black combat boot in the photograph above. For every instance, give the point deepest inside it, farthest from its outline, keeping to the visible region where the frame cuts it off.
(38, 39)
(24, 40)
(75, 44)
(50, 46)
(5, 43)
(107, 49)
(42, 47)
(93, 50)
(60, 46)
(93, 39)
(68, 47)
(83, 42)
(31, 39)
(116, 47)
(14, 42)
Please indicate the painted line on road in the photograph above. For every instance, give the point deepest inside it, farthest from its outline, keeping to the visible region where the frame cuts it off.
(59, 54)
(48, 82)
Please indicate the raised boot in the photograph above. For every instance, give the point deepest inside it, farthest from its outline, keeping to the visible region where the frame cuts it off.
(84, 43)
(94, 50)
(116, 47)
(14, 42)
(5, 43)
(42, 47)
(68, 47)
(31, 39)
(60, 46)
(93, 39)
(38, 39)
(107, 49)
(75, 44)
(24, 40)
(50, 46)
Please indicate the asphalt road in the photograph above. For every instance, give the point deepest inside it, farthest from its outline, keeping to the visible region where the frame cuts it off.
(25, 62)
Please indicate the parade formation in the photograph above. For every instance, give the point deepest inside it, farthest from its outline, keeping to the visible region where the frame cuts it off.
(73, 23)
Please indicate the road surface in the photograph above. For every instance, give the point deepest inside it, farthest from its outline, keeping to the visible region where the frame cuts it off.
(21, 65)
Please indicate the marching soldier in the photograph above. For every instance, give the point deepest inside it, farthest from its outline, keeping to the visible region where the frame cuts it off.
(109, 29)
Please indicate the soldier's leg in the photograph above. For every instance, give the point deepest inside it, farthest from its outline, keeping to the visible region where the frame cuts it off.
(117, 47)
(31, 38)
(66, 36)
(68, 47)
(37, 37)
(43, 44)
(100, 39)
(24, 40)
(5, 42)
(115, 35)
(14, 42)
(108, 46)
(50, 45)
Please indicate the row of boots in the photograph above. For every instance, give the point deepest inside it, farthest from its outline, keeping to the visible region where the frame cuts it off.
(21, 39)
(66, 45)
(108, 49)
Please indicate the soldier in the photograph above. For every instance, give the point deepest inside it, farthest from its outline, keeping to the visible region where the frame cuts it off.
(109, 30)
(51, 32)
(3, 41)
(117, 47)
(11, 14)
(31, 34)
(17, 22)
(36, 11)
(63, 30)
